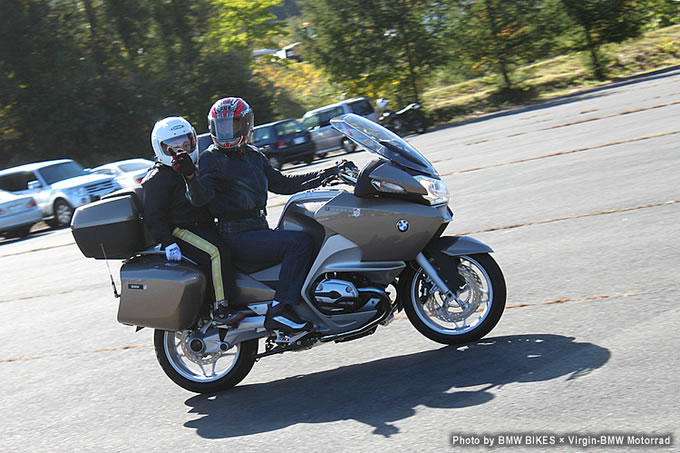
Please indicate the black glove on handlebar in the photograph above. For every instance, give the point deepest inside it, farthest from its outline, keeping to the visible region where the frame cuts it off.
(182, 163)
(339, 166)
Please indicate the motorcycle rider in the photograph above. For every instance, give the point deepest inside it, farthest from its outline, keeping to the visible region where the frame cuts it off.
(233, 180)
(180, 227)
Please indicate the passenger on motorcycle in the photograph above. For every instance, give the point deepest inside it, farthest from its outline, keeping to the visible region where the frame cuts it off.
(233, 180)
(180, 227)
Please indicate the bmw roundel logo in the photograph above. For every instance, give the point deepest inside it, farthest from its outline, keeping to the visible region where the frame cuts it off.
(402, 225)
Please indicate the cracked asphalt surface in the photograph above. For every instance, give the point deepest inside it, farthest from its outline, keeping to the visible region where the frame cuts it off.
(579, 199)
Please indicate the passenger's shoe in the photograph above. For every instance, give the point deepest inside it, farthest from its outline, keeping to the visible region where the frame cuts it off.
(282, 317)
(224, 314)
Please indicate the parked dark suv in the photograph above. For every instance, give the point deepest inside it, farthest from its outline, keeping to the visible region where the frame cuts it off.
(284, 141)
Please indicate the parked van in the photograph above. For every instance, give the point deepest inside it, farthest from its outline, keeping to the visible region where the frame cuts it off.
(318, 122)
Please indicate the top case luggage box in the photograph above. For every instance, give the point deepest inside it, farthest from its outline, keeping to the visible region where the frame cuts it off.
(111, 228)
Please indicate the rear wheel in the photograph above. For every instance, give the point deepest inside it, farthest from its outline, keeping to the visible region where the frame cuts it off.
(195, 361)
(421, 125)
(479, 304)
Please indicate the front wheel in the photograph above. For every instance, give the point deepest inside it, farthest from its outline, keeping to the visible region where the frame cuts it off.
(194, 360)
(479, 304)
(63, 212)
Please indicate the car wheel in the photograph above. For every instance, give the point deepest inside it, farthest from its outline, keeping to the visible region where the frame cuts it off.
(348, 145)
(63, 212)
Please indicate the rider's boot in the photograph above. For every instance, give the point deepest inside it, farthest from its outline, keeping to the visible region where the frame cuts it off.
(282, 317)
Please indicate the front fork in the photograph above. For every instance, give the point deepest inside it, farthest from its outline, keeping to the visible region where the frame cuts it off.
(432, 273)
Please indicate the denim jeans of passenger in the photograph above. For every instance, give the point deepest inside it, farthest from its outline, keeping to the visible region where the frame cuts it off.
(293, 249)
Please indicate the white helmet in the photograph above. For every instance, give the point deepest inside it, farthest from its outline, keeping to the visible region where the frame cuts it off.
(171, 135)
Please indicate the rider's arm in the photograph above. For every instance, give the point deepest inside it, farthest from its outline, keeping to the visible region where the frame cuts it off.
(290, 184)
(157, 206)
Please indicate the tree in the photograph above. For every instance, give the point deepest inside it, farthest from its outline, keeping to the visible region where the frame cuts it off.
(604, 21)
(496, 35)
(374, 46)
(87, 79)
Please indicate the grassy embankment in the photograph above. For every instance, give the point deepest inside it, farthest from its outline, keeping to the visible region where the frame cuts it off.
(555, 77)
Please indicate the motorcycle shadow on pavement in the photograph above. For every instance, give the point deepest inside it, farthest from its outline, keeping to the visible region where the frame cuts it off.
(381, 392)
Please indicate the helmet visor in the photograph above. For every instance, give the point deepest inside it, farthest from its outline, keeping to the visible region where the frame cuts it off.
(186, 142)
(225, 130)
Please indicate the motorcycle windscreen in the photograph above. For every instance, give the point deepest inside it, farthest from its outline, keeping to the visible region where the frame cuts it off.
(378, 140)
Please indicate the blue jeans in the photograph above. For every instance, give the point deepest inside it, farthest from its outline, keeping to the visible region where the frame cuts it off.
(293, 249)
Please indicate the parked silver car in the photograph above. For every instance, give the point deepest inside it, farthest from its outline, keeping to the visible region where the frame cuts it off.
(318, 122)
(127, 173)
(58, 186)
(17, 214)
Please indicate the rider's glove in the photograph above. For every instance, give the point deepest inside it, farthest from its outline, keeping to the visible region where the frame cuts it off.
(339, 166)
(173, 253)
(182, 163)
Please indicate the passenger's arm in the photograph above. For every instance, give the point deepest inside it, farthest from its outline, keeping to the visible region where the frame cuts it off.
(201, 187)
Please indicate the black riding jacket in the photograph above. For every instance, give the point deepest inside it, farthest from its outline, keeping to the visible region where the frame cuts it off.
(234, 185)
(167, 207)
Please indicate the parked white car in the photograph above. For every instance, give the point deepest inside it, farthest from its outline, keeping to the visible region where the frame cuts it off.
(17, 214)
(58, 186)
(127, 173)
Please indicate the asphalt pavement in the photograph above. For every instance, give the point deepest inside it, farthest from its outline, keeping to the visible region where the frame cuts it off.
(579, 197)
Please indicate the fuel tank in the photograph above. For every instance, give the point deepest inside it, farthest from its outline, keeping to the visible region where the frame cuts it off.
(385, 229)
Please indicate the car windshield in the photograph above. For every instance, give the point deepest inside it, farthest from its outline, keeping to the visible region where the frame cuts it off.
(61, 171)
(262, 133)
(321, 118)
(288, 127)
(378, 140)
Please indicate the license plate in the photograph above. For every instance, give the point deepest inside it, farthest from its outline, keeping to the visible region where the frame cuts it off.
(298, 140)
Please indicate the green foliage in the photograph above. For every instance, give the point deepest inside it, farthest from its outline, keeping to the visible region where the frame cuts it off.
(374, 46)
(496, 36)
(87, 79)
(604, 21)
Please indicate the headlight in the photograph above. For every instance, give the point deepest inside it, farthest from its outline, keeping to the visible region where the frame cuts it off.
(78, 191)
(437, 193)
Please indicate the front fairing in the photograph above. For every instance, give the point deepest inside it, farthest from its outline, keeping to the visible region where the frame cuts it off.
(378, 140)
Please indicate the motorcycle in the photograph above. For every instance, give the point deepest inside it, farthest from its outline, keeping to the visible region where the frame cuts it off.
(402, 122)
(379, 249)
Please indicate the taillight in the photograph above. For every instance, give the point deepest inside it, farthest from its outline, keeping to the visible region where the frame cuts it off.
(139, 180)
(280, 144)
(32, 203)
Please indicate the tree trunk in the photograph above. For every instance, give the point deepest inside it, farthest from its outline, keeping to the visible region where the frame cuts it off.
(498, 44)
(597, 66)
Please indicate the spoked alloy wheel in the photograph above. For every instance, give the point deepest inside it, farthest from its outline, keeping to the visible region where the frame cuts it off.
(479, 304)
(195, 362)
(63, 212)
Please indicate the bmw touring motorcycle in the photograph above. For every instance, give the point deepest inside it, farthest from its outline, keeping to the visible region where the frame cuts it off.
(379, 249)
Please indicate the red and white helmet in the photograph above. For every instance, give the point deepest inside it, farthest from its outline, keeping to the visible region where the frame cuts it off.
(171, 135)
(231, 122)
